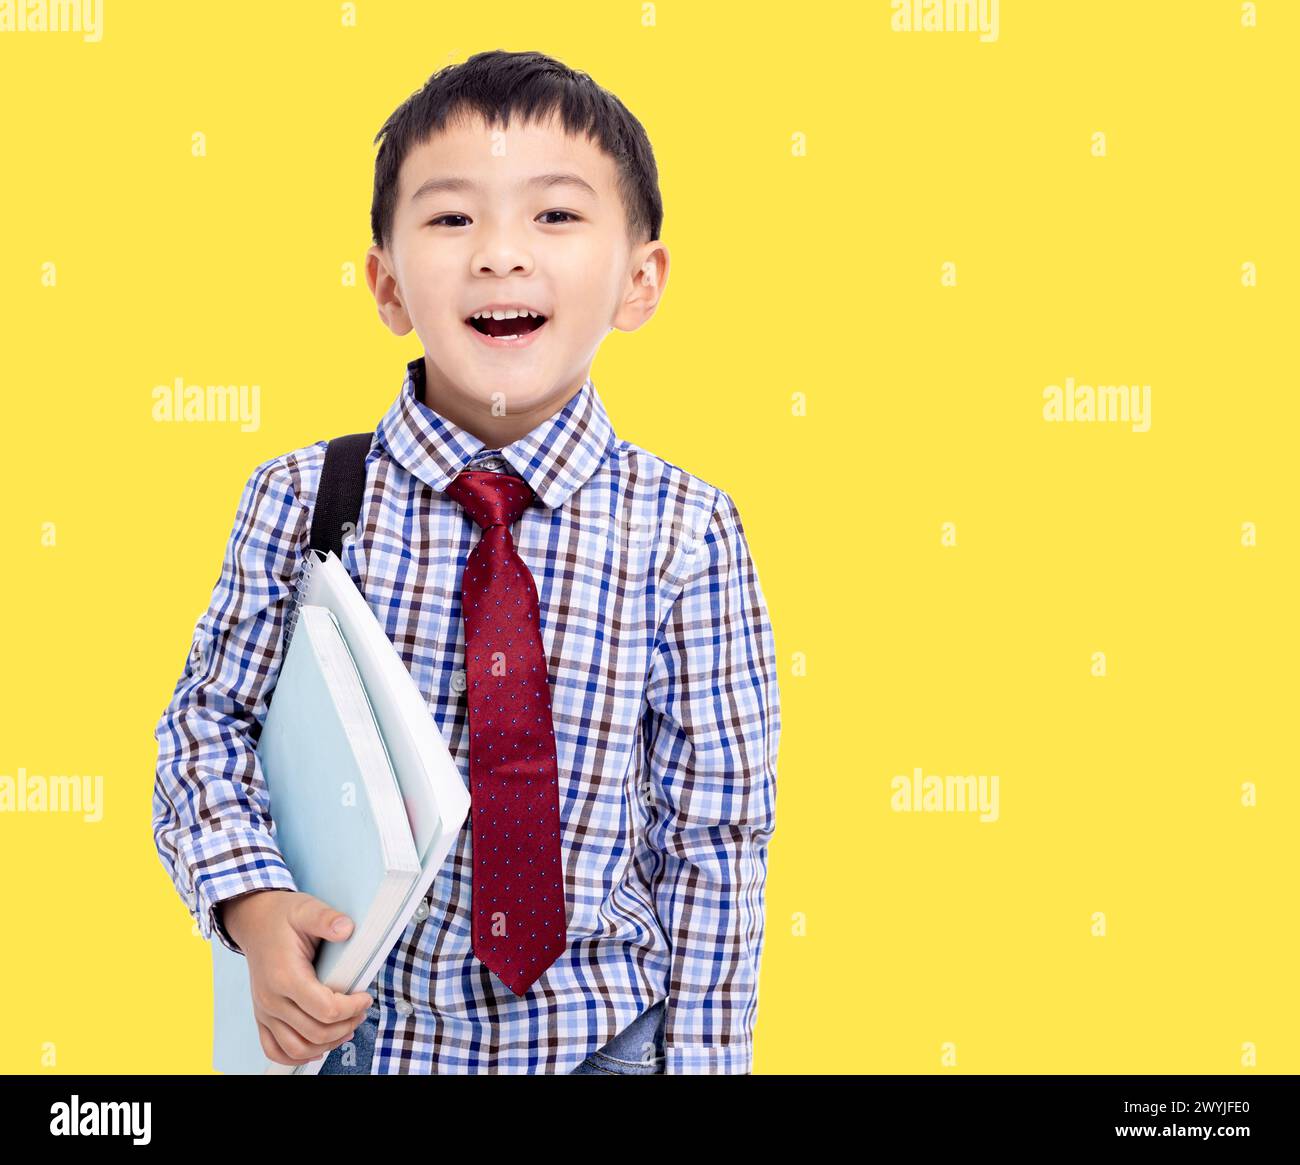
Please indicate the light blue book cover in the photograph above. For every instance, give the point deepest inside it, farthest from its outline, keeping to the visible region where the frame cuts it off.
(340, 823)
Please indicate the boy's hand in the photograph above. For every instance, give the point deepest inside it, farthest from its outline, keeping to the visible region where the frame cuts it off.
(298, 1018)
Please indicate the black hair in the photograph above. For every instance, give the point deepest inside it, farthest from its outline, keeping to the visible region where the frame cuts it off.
(497, 84)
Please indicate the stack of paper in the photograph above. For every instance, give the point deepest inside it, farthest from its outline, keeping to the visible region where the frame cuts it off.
(366, 799)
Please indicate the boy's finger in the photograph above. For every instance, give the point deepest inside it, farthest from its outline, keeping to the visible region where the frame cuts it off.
(270, 1045)
(313, 1030)
(300, 1047)
(279, 1035)
(320, 920)
(319, 1002)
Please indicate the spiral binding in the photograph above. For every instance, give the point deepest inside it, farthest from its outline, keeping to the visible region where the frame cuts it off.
(308, 561)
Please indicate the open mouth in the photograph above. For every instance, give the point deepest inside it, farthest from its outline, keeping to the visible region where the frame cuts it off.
(507, 329)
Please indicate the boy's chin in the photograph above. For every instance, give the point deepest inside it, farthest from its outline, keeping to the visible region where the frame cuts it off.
(509, 385)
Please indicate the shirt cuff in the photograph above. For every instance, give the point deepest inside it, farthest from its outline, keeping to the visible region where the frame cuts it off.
(211, 926)
(709, 1060)
(211, 890)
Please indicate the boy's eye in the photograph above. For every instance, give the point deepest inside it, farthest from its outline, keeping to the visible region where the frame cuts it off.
(566, 216)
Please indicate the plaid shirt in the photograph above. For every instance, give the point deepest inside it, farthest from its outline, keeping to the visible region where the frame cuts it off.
(665, 704)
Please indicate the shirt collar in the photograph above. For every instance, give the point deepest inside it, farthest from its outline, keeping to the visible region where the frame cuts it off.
(555, 458)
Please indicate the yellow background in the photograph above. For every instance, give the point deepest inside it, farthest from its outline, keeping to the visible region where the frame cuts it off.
(889, 935)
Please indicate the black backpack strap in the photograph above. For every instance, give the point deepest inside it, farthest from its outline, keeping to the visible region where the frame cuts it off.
(341, 491)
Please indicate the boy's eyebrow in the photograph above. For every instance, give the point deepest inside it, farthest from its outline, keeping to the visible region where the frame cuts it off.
(460, 185)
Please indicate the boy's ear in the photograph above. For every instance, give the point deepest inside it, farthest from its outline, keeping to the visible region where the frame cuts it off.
(383, 286)
(649, 278)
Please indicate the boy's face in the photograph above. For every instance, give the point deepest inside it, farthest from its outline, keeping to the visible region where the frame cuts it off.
(511, 233)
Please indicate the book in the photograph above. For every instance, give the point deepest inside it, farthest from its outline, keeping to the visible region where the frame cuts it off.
(432, 792)
(337, 812)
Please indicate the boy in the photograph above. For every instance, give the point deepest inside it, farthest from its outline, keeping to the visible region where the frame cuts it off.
(517, 551)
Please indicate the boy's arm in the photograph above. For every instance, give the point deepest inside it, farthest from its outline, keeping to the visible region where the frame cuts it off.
(211, 810)
(712, 728)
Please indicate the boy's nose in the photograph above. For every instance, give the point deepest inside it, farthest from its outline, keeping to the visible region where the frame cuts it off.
(502, 256)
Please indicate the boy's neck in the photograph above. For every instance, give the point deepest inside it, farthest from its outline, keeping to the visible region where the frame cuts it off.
(495, 432)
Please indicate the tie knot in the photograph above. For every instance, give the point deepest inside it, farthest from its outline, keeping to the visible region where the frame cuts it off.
(491, 499)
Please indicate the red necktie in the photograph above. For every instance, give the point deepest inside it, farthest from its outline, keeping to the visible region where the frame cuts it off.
(519, 912)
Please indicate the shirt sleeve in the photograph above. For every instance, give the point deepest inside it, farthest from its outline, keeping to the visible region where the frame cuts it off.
(712, 729)
(211, 810)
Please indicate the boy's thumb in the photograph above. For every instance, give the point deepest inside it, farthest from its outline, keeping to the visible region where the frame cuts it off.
(329, 923)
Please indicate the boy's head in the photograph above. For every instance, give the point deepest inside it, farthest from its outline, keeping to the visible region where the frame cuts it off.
(510, 179)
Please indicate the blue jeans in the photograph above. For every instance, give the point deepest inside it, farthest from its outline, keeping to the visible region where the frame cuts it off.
(638, 1050)
(354, 1057)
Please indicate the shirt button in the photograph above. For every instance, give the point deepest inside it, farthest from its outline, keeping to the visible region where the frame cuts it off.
(404, 1007)
(458, 681)
(422, 911)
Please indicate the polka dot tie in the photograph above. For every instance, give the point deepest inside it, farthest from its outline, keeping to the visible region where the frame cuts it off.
(520, 927)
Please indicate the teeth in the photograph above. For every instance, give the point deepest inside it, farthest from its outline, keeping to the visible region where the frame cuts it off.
(508, 314)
